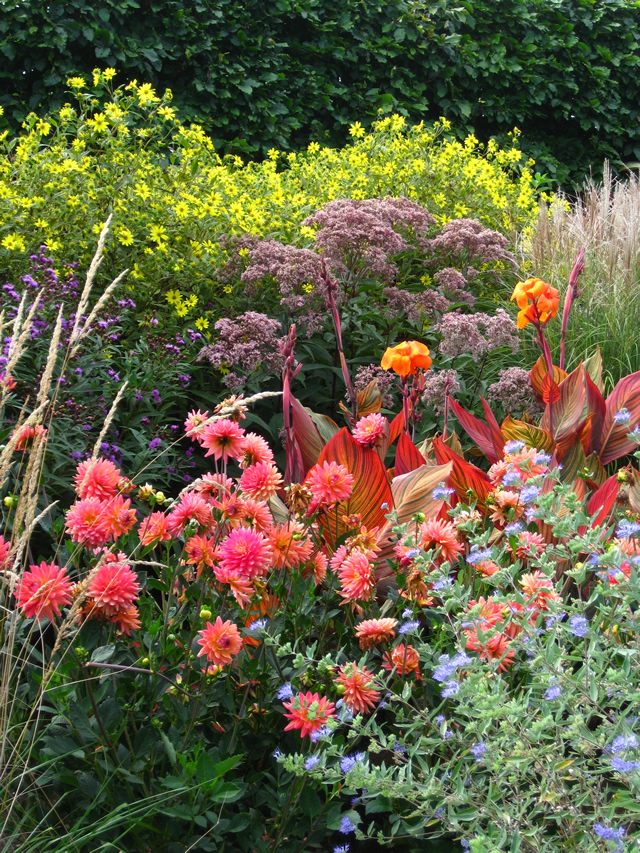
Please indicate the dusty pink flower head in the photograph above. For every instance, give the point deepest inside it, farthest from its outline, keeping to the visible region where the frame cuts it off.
(245, 553)
(255, 450)
(193, 424)
(154, 529)
(191, 507)
(5, 547)
(219, 641)
(260, 481)
(87, 523)
(329, 483)
(223, 439)
(97, 478)
(115, 585)
(357, 578)
(43, 590)
(370, 431)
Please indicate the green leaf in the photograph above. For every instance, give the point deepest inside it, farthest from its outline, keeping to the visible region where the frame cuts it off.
(168, 748)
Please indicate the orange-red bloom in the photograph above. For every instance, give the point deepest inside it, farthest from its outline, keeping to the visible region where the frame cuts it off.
(373, 632)
(405, 358)
(220, 642)
(403, 661)
(359, 695)
(442, 535)
(537, 301)
(308, 712)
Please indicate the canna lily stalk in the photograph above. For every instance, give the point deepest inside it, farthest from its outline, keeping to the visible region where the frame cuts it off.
(405, 359)
(572, 293)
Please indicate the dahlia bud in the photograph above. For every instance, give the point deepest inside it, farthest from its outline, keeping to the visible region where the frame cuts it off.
(205, 613)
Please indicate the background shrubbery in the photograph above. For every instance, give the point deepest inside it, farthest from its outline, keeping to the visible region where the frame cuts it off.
(283, 73)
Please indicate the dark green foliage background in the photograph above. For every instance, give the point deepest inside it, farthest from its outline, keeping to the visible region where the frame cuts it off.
(277, 73)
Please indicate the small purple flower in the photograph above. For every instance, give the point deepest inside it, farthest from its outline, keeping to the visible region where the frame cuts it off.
(623, 416)
(311, 762)
(277, 753)
(513, 446)
(441, 492)
(78, 371)
(285, 692)
(478, 750)
(450, 688)
(138, 396)
(511, 478)
(578, 626)
(541, 459)
(514, 528)
(156, 395)
(412, 553)
(154, 443)
(553, 692)
(440, 719)
(529, 494)
(608, 833)
(478, 555)
(341, 848)
(259, 625)
(442, 584)
(627, 529)
(350, 761)
(621, 765)
(623, 742)
(346, 826)
(408, 627)
(319, 734)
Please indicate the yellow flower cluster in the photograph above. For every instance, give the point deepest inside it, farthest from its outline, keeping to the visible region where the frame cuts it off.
(175, 199)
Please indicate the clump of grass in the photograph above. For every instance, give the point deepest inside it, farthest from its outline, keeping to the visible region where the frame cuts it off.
(604, 220)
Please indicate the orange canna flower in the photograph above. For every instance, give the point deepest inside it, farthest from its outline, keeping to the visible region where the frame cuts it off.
(405, 358)
(537, 301)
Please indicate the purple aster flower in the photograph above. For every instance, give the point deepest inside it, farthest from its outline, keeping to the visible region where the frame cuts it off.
(511, 478)
(608, 833)
(408, 627)
(285, 692)
(155, 442)
(346, 826)
(440, 719)
(529, 494)
(541, 459)
(626, 529)
(513, 446)
(514, 528)
(623, 416)
(621, 765)
(259, 625)
(442, 584)
(478, 750)
(450, 688)
(319, 734)
(578, 626)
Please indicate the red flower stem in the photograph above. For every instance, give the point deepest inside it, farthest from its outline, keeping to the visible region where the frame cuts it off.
(544, 346)
(331, 285)
(572, 293)
(446, 415)
(405, 403)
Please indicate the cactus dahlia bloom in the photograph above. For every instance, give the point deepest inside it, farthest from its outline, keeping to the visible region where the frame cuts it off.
(442, 535)
(308, 712)
(357, 578)
(403, 660)
(87, 523)
(373, 632)
(329, 483)
(359, 695)
(115, 586)
(370, 430)
(223, 439)
(43, 590)
(260, 481)
(97, 478)
(245, 553)
(219, 641)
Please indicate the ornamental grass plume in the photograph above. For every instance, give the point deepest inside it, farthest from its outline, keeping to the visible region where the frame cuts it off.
(308, 712)
(359, 694)
(42, 591)
(374, 632)
(219, 642)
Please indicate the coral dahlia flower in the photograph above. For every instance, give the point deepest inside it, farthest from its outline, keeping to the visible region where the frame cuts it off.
(403, 660)
(154, 529)
(256, 515)
(255, 449)
(241, 587)
(43, 590)
(539, 587)
(308, 712)
(374, 632)
(495, 647)
(115, 585)
(201, 551)
(245, 553)
(5, 548)
(370, 430)
(359, 694)
(87, 523)
(329, 483)
(28, 435)
(97, 478)
(127, 619)
(223, 439)
(119, 516)
(289, 544)
(357, 578)
(260, 481)
(193, 425)
(192, 507)
(442, 536)
(219, 642)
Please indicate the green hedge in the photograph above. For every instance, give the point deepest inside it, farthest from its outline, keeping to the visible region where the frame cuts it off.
(278, 73)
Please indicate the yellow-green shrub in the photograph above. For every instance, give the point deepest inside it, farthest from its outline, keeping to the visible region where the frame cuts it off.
(124, 149)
